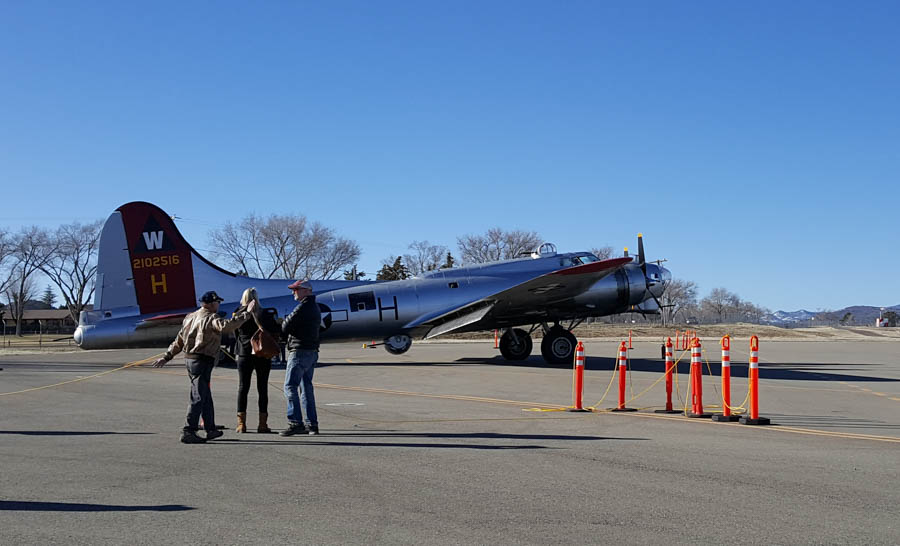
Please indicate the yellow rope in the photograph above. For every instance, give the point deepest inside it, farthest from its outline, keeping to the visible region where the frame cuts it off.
(129, 365)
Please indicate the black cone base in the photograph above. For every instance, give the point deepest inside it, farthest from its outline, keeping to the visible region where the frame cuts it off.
(700, 415)
(668, 411)
(624, 409)
(760, 421)
(719, 418)
(584, 410)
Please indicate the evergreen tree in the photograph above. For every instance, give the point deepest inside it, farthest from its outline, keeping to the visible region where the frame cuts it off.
(49, 298)
(353, 275)
(394, 272)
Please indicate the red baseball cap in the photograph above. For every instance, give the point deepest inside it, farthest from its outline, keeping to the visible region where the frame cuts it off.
(297, 285)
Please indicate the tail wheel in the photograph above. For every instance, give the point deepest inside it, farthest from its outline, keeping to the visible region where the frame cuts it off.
(515, 344)
(397, 345)
(558, 346)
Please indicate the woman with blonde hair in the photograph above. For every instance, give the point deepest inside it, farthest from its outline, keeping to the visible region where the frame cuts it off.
(247, 362)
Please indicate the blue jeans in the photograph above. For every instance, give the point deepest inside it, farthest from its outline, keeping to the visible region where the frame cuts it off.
(300, 367)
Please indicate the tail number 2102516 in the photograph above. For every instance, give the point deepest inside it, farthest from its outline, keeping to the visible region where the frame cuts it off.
(155, 261)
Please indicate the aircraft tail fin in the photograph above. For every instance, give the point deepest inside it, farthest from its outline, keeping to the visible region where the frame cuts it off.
(144, 262)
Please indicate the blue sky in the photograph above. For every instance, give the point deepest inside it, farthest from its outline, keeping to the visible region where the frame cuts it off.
(756, 145)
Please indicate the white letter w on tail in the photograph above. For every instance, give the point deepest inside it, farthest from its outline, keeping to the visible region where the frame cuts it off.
(153, 239)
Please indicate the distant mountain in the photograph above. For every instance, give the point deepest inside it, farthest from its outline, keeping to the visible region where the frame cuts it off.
(863, 315)
(785, 318)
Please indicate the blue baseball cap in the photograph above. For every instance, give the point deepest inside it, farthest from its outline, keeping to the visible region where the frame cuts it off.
(210, 297)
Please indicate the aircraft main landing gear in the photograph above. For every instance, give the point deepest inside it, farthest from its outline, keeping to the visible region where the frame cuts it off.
(558, 345)
(515, 344)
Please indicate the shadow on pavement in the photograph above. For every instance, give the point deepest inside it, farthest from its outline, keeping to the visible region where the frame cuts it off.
(38, 506)
(65, 433)
(797, 371)
(830, 421)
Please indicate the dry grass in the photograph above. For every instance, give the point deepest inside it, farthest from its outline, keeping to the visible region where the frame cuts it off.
(11, 344)
(737, 331)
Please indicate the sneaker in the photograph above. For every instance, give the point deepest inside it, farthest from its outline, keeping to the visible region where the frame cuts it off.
(213, 434)
(313, 430)
(190, 437)
(293, 429)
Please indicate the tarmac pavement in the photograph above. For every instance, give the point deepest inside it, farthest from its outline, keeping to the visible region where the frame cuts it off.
(449, 444)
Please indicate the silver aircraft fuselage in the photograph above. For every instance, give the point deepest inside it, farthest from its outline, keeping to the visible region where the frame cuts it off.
(148, 278)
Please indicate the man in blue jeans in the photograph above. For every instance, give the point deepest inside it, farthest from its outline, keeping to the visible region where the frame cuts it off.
(302, 329)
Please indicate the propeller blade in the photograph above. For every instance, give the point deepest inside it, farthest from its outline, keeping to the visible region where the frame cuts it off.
(641, 260)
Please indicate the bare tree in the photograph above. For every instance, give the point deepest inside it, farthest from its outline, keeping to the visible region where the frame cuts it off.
(496, 245)
(237, 244)
(718, 302)
(424, 257)
(679, 295)
(604, 253)
(73, 263)
(287, 246)
(31, 250)
(334, 257)
(6, 254)
(17, 295)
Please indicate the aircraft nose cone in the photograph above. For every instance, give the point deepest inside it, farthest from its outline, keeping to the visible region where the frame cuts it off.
(79, 336)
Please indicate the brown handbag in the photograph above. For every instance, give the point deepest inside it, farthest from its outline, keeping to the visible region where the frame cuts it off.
(263, 343)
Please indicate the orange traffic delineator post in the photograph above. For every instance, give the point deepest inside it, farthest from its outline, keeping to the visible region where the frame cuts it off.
(496, 340)
(697, 380)
(623, 369)
(754, 418)
(726, 416)
(629, 340)
(578, 380)
(670, 365)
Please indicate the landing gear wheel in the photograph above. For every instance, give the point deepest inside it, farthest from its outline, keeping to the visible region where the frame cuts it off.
(558, 346)
(515, 348)
(397, 345)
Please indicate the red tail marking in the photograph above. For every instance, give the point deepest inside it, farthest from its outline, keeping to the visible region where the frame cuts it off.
(160, 259)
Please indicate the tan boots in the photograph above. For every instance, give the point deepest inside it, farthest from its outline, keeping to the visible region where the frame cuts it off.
(242, 423)
(263, 427)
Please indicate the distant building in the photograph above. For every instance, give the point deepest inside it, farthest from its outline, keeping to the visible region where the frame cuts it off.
(48, 321)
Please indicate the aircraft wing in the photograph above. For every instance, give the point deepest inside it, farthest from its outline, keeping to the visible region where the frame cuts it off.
(532, 294)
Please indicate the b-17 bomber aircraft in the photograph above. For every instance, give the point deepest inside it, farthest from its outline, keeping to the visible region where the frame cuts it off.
(149, 278)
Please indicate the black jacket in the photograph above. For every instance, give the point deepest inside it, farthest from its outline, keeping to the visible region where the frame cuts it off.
(246, 331)
(302, 325)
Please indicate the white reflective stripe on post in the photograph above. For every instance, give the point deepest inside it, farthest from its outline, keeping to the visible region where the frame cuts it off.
(754, 359)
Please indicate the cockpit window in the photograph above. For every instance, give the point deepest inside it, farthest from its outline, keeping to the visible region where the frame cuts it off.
(579, 259)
